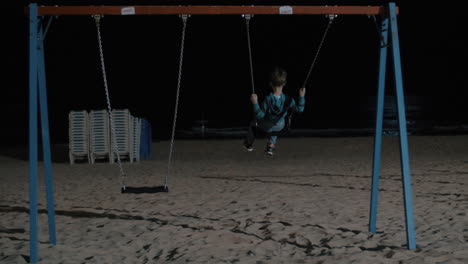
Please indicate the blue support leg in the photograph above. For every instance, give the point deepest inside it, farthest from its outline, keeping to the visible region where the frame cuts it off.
(378, 126)
(45, 139)
(404, 155)
(33, 157)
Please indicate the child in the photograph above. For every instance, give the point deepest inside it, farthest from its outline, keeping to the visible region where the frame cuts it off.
(270, 115)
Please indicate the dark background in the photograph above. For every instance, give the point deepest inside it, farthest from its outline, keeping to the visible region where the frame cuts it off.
(142, 52)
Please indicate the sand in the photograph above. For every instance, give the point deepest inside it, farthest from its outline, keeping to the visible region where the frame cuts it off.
(307, 204)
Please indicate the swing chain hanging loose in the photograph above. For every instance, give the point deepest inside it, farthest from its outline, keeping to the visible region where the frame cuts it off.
(179, 79)
(97, 18)
(247, 24)
(383, 44)
(331, 18)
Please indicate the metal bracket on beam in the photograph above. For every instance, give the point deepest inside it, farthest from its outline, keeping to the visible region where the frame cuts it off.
(97, 17)
(247, 16)
(184, 17)
(331, 16)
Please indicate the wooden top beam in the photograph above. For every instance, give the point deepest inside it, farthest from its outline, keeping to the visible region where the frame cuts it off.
(210, 10)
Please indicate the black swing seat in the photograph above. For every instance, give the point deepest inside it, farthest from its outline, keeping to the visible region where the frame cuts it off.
(285, 131)
(138, 190)
(288, 118)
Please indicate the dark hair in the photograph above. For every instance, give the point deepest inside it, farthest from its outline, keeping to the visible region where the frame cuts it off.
(278, 77)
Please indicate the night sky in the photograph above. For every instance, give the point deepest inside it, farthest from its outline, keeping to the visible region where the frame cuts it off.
(142, 52)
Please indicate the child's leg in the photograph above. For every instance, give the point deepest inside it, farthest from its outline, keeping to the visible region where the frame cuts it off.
(270, 148)
(272, 140)
(251, 133)
(275, 128)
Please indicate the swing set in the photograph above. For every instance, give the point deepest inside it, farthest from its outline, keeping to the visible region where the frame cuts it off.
(38, 27)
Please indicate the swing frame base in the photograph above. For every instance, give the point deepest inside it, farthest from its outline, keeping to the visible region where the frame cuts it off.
(139, 190)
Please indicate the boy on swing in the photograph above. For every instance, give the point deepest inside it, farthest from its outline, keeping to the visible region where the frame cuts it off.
(270, 114)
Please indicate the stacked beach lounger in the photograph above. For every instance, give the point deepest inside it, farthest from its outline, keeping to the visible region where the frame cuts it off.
(91, 136)
(136, 138)
(78, 133)
(123, 127)
(100, 136)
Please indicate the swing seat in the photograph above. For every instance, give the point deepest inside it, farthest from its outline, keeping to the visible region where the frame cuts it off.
(138, 190)
(285, 131)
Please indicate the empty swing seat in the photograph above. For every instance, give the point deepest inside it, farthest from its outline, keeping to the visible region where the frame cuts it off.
(139, 190)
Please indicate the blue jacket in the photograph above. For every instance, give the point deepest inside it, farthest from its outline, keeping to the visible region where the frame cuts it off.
(274, 110)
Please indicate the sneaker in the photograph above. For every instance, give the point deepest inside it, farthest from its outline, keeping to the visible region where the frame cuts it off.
(248, 147)
(270, 150)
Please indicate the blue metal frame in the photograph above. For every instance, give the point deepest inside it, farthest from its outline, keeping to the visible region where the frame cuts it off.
(33, 82)
(45, 139)
(379, 125)
(37, 85)
(404, 153)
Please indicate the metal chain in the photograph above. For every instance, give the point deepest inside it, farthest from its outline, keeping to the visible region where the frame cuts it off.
(109, 108)
(179, 78)
(379, 31)
(374, 19)
(330, 21)
(247, 24)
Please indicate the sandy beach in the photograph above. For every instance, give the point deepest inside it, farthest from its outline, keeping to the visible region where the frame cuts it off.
(307, 204)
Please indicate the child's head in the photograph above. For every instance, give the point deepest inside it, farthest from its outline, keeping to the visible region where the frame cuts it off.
(278, 77)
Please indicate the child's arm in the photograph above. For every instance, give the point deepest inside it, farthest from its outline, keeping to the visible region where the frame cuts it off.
(300, 102)
(259, 113)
